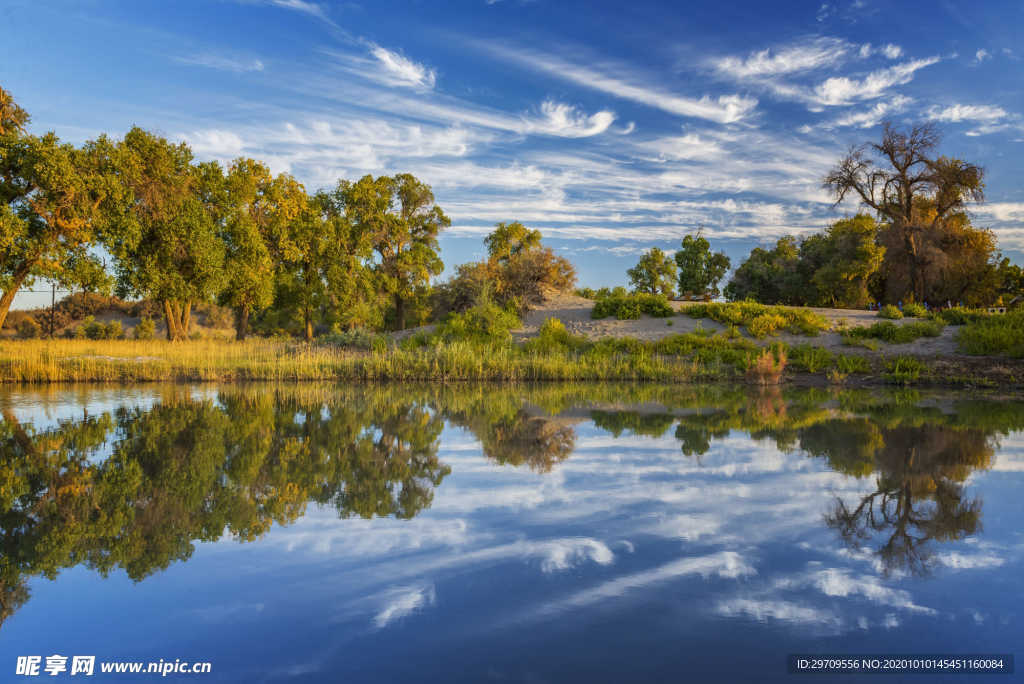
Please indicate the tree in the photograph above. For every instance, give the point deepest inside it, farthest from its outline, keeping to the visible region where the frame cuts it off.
(257, 237)
(911, 190)
(49, 195)
(510, 239)
(164, 225)
(769, 276)
(655, 273)
(699, 268)
(399, 215)
(840, 262)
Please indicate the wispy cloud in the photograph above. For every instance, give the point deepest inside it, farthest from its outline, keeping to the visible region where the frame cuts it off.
(800, 57)
(981, 55)
(403, 602)
(960, 112)
(567, 121)
(873, 116)
(396, 69)
(843, 90)
(221, 62)
(619, 81)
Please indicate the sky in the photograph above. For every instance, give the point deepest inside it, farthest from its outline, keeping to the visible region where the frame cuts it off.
(611, 127)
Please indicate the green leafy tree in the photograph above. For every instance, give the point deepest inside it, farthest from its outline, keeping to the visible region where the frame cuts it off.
(164, 226)
(508, 240)
(655, 273)
(700, 270)
(403, 222)
(49, 195)
(260, 210)
(840, 263)
(770, 276)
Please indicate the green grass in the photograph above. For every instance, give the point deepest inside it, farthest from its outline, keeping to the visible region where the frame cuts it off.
(904, 370)
(994, 335)
(891, 312)
(761, 320)
(894, 333)
(810, 358)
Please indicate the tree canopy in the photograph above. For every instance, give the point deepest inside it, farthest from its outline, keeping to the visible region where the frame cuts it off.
(655, 273)
(700, 269)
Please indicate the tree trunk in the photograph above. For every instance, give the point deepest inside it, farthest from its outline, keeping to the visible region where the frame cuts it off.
(399, 312)
(8, 296)
(178, 318)
(309, 324)
(241, 321)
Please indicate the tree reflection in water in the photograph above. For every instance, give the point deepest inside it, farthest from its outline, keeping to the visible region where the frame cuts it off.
(134, 489)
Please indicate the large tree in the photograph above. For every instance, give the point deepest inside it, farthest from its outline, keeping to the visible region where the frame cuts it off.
(256, 232)
(839, 263)
(49, 196)
(508, 240)
(403, 222)
(164, 227)
(655, 273)
(700, 269)
(912, 189)
(770, 276)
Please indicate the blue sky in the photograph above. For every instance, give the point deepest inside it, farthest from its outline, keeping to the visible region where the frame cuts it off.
(611, 127)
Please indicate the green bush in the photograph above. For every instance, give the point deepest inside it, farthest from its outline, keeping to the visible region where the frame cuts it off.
(914, 311)
(891, 312)
(146, 329)
(797, 320)
(553, 337)
(28, 329)
(894, 333)
(766, 324)
(587, 293)
(904, 369)
(810, 358)
(631, 307)
(852, 364)
(484, 323)
(962, 316)
(356, 338)
(1001, 334)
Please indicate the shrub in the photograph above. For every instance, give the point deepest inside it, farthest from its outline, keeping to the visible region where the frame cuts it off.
(145, 330)
(852, 364)
(999, 334)
(903, 369)
(962, 316)
(631, 307)
(894, 333)
(766, 324)
(587, 293)
(485, 323)
(113, 331)
(796, 320)
(891, 312)
(766, 368)
(27, 328)
(810, 358)
(914, 311)
(356, 338)
(553, 337)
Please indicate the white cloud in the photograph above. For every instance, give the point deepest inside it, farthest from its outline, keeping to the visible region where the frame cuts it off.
(814, 54)
(398, 70)
(567, 121)
(833, 582)
(843, 90)
(873, 116)
(403, 602)
(221, 62)
(615, 81)
(961, 561)
(981, 55)
(960, 112)
(215, 143)
(773, 609)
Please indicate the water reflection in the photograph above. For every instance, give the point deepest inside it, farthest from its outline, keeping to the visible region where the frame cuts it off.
(134, 488)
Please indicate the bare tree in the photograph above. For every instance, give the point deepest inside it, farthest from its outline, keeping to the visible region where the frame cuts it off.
(908, 186)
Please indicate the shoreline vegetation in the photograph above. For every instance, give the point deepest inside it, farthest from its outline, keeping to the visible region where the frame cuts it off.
(479, 345)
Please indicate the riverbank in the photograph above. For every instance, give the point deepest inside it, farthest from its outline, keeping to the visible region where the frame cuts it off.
(700, 356)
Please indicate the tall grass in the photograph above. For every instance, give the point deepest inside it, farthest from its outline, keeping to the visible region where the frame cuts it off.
(999, 334)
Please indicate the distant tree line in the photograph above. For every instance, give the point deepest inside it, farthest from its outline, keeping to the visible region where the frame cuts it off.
(182, 233)
(916, 245)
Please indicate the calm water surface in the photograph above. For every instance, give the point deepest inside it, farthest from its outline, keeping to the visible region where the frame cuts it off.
(543, 534)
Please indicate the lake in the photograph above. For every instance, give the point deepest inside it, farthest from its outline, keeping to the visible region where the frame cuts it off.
(322, 533)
